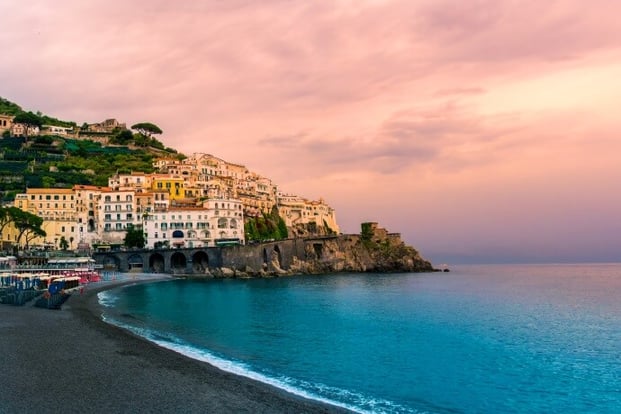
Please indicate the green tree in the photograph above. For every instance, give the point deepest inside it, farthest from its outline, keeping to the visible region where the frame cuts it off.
(134, 237)
(28, 225)
(64, 245)
(123, 137)
(29, 120)
(147, 129)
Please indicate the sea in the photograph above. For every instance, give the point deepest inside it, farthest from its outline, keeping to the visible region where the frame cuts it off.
(477, 339)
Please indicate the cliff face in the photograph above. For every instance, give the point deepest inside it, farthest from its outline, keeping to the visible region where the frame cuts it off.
(374, 250)
(352, 253)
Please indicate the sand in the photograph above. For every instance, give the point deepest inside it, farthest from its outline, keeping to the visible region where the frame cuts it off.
(70, 361)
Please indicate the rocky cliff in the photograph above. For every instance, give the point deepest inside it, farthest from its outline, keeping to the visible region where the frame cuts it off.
(374, 250)
(352, 253)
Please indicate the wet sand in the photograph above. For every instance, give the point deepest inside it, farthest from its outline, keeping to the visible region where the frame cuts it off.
(70, 361)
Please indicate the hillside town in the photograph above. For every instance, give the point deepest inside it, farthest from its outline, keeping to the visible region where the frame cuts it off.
(198, 201)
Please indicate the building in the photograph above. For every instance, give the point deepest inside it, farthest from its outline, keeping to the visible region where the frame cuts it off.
(57, 208)
(174, 185)
(297, 211)
(116, 212)
(214, 223)
(19, 130)
(6, 121)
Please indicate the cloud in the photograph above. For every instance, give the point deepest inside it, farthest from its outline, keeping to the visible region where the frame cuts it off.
(346, 98)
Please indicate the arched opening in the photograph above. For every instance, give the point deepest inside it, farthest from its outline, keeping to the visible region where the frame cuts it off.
(156, 263)
(265, 258)
(135, 263)
(233, 223)
(178, 236)
(111, 263)
(91, 225)
(200, 262)
(222, 223)
(178, 262)
(277, 256)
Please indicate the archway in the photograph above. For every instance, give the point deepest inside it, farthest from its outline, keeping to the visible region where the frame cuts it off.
(156, 263)
(178, 237)
(276, 255)
(266, 258)
(111, 263)
(200, 262)
(135, 263)
(178, 262)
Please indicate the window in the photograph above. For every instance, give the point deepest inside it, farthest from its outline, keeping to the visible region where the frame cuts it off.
(222, 223)
(56, 197)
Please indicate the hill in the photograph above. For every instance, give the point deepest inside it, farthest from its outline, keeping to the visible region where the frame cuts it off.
(61, 161)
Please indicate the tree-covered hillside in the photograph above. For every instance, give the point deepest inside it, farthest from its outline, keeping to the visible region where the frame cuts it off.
(61, 162)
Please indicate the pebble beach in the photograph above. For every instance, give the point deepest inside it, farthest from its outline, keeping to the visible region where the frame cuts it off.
(70, 361)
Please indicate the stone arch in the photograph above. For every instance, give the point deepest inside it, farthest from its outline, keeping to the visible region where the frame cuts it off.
(222, 223)
(266, 258)
(178, 262)
(200, 262)
(233, 223)
(135, 263)
(277, 255)
(111, 263)
(157, 263)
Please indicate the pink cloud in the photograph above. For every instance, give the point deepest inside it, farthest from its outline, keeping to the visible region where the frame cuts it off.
(326, 95)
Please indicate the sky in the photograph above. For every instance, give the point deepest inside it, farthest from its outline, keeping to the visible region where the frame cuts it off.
(481, 130)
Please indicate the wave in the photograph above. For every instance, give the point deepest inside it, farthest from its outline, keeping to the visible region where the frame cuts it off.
(356, 402)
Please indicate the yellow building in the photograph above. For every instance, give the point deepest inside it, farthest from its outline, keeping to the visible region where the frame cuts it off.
(57, 208)
(174, 185)
(6, 121)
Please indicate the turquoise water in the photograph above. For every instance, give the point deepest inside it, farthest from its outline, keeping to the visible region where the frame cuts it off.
(480, 339)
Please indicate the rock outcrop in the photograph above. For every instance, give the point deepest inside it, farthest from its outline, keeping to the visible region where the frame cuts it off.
(374, 250)
(378, 251)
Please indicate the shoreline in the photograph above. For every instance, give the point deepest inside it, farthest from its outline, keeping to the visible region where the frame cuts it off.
(73, 361)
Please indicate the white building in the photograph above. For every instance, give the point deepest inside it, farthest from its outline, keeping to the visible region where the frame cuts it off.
(116, 211)
(215, 223)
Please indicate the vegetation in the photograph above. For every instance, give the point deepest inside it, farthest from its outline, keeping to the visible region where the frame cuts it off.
(8, 107)
(29, 120)
(147, 129)
(27, 224)
(134, 238)
(267, 227)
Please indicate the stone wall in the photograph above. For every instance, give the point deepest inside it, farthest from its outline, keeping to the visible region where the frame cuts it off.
(328, 254)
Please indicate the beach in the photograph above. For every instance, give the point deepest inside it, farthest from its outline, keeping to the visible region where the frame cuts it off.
(70, 361)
